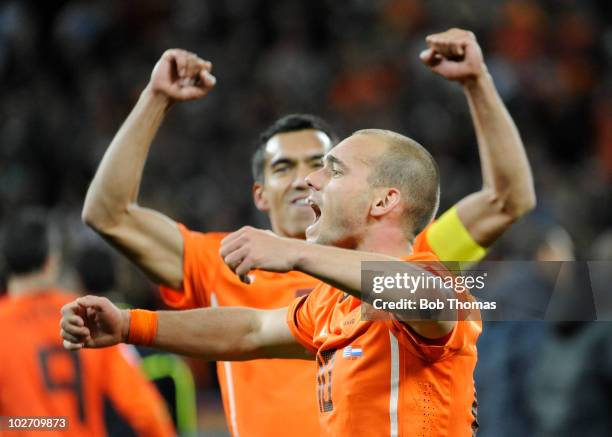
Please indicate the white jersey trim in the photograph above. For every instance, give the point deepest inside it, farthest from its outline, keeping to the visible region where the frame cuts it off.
(394, 386)
(229, 381)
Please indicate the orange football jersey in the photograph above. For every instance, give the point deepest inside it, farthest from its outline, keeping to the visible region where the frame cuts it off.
(379, 378)
(38, 377)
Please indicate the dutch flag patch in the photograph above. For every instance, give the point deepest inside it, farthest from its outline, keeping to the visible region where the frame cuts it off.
(352, 352)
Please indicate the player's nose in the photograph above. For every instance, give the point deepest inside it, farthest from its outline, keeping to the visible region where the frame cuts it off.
(314, 179)
(299, 182)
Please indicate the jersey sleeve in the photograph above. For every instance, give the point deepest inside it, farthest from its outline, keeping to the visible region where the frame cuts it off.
(449, 240)
(463, 335)
(201, 263)
(135, 397)
(300, 319)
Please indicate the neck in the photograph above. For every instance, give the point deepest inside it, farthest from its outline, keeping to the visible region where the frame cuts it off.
(298, 236)
(386, 240)
(281, 233)
(28, 284)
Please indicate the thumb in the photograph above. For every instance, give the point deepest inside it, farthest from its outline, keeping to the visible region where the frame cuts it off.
(208, 79)
(72, 346)
(191, 93)
(425, 55)
(430, 58)
(90, 343)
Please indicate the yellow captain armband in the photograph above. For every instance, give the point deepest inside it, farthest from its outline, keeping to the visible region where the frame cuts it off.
(450, 240)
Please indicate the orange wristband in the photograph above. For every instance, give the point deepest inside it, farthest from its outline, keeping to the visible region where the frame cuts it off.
(143, 327)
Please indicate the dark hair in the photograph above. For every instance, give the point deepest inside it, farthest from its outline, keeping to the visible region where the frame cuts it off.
(288, 123)
(96, 269)
(26, 242)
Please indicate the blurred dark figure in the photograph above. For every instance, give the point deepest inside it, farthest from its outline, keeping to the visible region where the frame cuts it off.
(99, 391)
(2, 278)
(507, 349)
(96, 268)
(570, 383)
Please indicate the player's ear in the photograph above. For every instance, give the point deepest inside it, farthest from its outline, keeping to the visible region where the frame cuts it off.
(385, 200)
(261, 203)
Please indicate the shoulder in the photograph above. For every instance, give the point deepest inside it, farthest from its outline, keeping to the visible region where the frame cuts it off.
(325, 292)
(211, 237)
(201, 241)
(320, 298)
(421, 256)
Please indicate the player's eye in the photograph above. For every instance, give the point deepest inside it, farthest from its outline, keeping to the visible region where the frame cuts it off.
(335, 171)
(279, 169)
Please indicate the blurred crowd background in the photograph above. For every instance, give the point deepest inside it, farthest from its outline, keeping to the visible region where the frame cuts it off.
(70, 72)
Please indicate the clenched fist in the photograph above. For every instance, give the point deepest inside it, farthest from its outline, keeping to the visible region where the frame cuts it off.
(455, 55)
(249, 248)
(181, 75)
(93, 322)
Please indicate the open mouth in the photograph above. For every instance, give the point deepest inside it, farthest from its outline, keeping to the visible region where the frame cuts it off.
(302, 201)
(315, 208)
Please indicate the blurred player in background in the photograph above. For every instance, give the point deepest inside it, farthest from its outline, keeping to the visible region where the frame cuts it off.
(100, 392)
(97, 270)
(256, 393)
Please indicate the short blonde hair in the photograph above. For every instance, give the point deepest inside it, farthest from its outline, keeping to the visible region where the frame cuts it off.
(409, 167)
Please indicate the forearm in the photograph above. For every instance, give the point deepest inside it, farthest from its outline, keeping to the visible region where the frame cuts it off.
(505, 168)
(222, 334)
(338, 267)
(342, 269)
(209, 333)
(116, 183)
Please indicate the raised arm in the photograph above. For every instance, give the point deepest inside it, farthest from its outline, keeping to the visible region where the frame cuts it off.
(148, 238)
(507, 191)
(228, 334)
